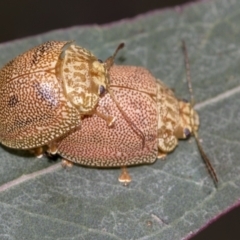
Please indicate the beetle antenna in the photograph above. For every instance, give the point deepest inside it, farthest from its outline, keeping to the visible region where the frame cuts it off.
(200, 148)
(188, 72)
(109, 62)
(206, 159)
(128, 120)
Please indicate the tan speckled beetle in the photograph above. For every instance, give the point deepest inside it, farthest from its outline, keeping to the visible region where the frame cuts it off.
(45, 91)
(155, 111)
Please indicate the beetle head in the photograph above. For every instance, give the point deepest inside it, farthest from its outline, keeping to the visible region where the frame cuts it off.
(188, 121)
(83, 77)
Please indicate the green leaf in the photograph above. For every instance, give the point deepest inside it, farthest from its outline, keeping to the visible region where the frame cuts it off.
(166, 200)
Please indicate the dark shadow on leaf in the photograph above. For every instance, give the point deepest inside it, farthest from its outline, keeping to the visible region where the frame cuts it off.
(17, 152)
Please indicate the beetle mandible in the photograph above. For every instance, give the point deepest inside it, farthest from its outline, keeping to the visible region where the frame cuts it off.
(45, 91)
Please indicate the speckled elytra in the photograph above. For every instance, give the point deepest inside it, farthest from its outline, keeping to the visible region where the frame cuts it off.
(45, 91)
(152, 107)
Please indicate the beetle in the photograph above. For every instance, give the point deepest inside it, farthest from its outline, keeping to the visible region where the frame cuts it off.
(45, 92)
(150, 105)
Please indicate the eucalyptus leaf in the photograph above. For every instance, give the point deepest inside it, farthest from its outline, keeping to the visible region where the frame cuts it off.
(171, 199)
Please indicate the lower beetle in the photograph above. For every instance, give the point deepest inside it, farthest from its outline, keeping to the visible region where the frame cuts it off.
(151, 107)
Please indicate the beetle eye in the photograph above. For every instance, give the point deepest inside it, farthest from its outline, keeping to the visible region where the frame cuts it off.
(101, 90)
(187, 132)
(101, 61)
(185, 100)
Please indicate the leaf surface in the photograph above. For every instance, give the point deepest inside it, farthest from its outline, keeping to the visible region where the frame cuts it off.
(166, 200)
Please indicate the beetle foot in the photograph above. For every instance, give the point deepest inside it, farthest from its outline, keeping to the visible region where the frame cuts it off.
(66, 163)
(38, 152)
(52, 148)
(162, 155)
(124, 177)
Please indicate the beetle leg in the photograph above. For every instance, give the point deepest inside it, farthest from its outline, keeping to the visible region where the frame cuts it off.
(66, 163)
(124, 177)
(161, 155)
(52, 148)
(38, 152)
(109, 119)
